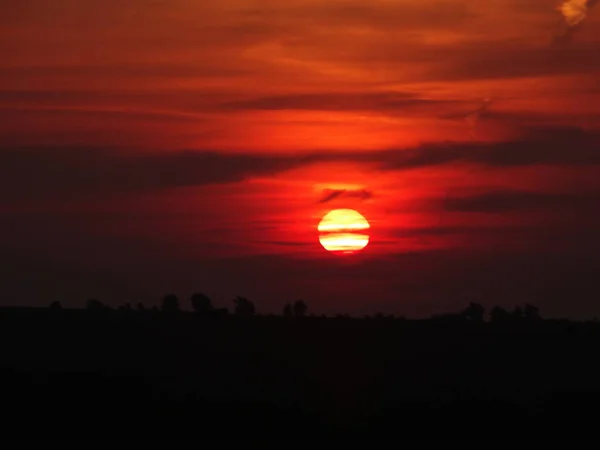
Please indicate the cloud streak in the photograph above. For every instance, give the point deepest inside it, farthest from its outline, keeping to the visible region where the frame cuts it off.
(100, 171)
(571, 147)
(344, 101)
(524, 201)
(333, 194)
(473, 118)
(96, 171)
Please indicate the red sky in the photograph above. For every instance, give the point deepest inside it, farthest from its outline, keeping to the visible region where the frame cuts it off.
(157, 146)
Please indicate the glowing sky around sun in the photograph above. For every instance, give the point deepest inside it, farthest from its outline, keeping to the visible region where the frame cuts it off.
(202, 142)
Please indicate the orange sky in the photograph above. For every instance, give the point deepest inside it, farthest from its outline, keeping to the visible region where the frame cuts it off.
(206, 131)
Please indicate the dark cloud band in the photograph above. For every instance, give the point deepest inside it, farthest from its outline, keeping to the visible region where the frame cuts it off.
(44, 171)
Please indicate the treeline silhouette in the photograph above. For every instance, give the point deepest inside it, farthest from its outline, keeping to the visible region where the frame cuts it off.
(194, 369)
(201, 304)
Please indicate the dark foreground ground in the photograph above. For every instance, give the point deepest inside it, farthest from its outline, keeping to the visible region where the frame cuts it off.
(150, 376)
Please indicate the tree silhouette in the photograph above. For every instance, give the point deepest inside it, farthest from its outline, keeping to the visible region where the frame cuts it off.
(287, 310)
(474, 312)
(93, 304)
(517, 313)
(170, 304)
(450, 317)
(300, 308)
(201, 303)
(243, 306)
(499, 314)
(531, 312)
(55, 305)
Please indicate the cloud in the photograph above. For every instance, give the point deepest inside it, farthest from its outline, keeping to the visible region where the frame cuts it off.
(496, 60)
(47, 172)
(485, 105)
(473, 118)
(185, 102)
(344, 101)
(542, 146)
(507, 201)
(126, 70)
(377, 15)
(574, 13)
(333, 194)
(40, 172)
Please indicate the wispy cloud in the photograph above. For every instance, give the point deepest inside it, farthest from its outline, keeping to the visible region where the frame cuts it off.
(574, 12)
(99, 171)
(543, 146)
(473, 118)
(333, 194)
(524, 201)
(346, 101)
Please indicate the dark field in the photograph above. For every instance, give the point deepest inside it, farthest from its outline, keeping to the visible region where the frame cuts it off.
(116, 372)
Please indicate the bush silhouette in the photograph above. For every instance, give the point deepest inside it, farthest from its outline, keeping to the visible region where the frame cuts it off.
(243, 307)
(201, 303)
(474, 312)
(531, 312)
(93, 304)
(528, 312)
(170, 304)
(300, 308)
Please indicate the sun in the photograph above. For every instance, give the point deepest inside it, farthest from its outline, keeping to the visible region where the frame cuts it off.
(343, 231)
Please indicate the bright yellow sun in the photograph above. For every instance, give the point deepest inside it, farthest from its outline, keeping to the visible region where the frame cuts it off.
(343, 231)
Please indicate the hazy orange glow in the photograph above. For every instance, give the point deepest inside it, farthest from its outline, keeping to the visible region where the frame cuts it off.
(338, 231)
(212, 137)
